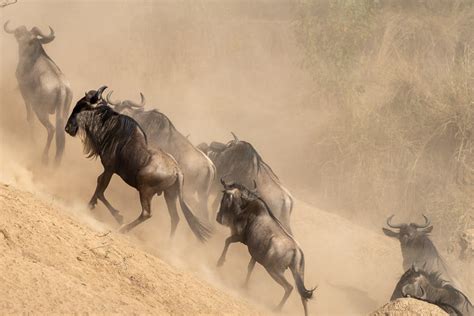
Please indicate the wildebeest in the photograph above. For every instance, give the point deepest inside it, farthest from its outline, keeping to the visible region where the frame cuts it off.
(5, 3)
(198, 169)
(122, 147)
(252, 223)
(417, 247)
(43, 86)
(239, 162)
(430, 287)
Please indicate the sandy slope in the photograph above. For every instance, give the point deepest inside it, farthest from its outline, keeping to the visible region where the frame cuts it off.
(51, 263)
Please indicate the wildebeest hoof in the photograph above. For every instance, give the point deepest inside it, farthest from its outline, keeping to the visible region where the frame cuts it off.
(44, 159)
(92, 205)
(119, 218)
(124, 229)
(220, 262)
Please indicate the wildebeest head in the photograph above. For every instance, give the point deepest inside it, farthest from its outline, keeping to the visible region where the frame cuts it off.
(414, 283)
(29, 41)
(126, 106)
(235, 197)
(87, 103)
(407, 233)
(417, 283)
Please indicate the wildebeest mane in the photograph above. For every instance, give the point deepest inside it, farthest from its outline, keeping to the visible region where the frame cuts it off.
(106, 131)
(252, 196)
(436, 280)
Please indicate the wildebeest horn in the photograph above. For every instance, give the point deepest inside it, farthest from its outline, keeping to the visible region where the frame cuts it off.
(109, 101)
(7, 29)
(99, 92)
(389, 223)
(235, 137)
(426, 224)
(45, 38)
(223, 182)
(134, 104)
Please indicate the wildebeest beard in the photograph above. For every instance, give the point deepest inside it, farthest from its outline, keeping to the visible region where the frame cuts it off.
(104, 131)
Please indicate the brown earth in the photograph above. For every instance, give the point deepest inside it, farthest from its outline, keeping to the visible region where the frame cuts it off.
(51, 263)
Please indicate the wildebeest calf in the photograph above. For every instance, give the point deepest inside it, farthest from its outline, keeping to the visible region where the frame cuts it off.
(430, 287)
(252, 223)
(122, 147)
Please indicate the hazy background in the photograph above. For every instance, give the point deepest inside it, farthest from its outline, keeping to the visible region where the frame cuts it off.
(362, 108)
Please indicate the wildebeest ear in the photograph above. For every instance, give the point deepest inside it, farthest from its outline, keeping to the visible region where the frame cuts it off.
(428, 229)
(390, 233)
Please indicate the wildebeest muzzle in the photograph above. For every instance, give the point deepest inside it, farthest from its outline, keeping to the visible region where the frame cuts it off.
(72, 127)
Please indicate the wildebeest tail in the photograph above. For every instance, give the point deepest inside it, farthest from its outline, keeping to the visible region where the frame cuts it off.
(297, 269)
(63, 100)
(201, 231)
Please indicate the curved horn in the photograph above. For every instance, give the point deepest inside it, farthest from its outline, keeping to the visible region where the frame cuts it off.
(45, 38)
(426, 224)
(235, 137)
(7, 29)
(389, 223)
(136, 105)
(109, 101)
(100, 91)
(223, 182)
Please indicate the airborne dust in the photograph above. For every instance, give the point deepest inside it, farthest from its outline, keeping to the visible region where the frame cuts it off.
(212, 67)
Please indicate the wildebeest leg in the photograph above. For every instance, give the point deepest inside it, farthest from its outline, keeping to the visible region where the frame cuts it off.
(44, 119)
(102, 182)
(249, 271)
(61, 117)
(171, 196)
(145, 199)
(279, 277)
(228, 241)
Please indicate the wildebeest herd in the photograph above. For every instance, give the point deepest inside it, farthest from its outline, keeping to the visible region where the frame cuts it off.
(146, 150)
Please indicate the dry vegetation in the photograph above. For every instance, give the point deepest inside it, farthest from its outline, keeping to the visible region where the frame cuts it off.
(396, 81)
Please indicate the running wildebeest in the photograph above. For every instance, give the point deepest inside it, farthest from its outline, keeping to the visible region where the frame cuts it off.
(430, 287)
(122, 147)
(239, 162)
(5, 3)
(252, 223)
(417, 247)
(43, 86)
(198, 169)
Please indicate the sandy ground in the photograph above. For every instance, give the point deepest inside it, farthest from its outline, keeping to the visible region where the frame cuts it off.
(53, 264)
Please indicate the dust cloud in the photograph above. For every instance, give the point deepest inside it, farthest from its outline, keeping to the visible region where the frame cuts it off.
(212, 67)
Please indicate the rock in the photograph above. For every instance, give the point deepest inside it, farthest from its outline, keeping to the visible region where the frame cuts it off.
(409, 306)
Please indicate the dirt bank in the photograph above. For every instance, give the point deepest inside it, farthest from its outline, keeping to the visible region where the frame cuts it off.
(51, 263)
